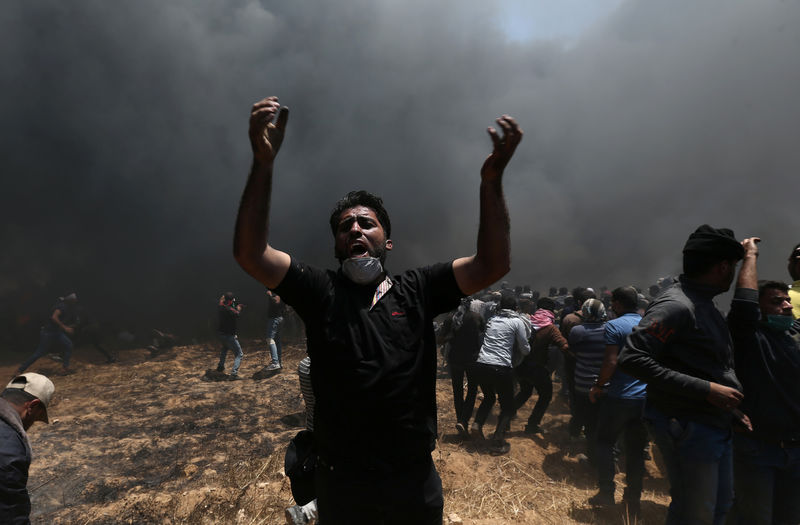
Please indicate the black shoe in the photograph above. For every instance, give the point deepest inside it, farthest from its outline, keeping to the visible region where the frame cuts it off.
(602, 499)
(533, 429)
(499, 447)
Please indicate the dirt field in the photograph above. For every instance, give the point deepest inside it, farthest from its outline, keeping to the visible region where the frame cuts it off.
(146, 440)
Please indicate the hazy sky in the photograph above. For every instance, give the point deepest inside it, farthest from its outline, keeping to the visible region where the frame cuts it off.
(124, 135)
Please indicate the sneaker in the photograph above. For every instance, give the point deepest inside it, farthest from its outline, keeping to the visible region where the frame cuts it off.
(499, 447)
(273, 366)
(296, 516)
(462, 430)
(234, 377)
(602, 499)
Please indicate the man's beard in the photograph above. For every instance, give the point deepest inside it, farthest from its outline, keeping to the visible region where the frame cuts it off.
(379, 253)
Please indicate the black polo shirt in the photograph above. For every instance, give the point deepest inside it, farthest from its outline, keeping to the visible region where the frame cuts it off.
(374, 370)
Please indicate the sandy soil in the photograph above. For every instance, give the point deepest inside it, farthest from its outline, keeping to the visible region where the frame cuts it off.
(147, 440)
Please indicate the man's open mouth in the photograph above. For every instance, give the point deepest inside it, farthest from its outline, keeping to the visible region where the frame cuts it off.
(358, 250)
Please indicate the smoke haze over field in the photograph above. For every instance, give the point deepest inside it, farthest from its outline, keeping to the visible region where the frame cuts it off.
(125, 147)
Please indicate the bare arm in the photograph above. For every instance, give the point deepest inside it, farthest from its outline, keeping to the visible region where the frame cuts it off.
(56, 317)
(748, 274)
(250, 243)
(493, 257)
(607, 370)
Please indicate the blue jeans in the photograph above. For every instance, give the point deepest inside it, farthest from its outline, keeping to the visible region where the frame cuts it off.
(49, 341)
(230, 342)
(767, 483)
(621, 416)
(699, 466)
(274, 338)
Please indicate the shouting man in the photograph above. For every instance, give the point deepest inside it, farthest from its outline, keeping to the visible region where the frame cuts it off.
(371, 335)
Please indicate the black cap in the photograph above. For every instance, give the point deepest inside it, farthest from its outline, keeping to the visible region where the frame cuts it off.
(712, 241)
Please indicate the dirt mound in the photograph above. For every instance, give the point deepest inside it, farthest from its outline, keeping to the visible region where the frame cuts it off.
(146, 440)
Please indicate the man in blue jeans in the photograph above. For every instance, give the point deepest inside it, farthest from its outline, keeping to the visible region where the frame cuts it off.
(620, 410)
(275, 312)
(229, 312)
(766, 342)
(683, 351)
(56, 333)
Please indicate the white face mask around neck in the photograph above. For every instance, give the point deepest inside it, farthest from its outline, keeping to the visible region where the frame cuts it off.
(362, 270)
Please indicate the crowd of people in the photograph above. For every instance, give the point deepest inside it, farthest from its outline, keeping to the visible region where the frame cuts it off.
(718, 396)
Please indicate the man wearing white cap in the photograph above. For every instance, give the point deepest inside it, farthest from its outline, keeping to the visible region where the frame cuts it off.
(24, 401)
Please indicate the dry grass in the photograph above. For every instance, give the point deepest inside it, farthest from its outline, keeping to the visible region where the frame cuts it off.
(146, 441)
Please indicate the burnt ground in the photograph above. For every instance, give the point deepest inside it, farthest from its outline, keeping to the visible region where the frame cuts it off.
(147, 440)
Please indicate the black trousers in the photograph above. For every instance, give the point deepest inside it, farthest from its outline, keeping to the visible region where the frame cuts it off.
(538, 377)
(495, 382)
(464, 406)
(376, 497)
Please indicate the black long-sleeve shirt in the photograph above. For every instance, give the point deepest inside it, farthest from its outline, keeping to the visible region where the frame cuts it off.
(680, 346)
(768, 364)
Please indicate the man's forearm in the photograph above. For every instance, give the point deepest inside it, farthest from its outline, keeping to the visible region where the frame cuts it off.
(748, 274)
(252, 222)
(609, 365)
(494, 238)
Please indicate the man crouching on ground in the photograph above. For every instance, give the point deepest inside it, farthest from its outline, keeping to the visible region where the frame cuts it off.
(370, 335)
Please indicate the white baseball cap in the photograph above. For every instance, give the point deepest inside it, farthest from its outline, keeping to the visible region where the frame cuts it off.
(36, 385)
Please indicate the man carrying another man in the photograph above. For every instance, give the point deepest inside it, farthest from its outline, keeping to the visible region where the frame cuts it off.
(506, 334)
(370, 335)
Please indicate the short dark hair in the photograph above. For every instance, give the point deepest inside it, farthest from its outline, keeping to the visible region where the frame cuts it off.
(361, 198)
(508, 302)
(582, 294)
(546, 303)
(764, 285)
(696, 264)
(17, 396)
(525, 305)
(626, 296)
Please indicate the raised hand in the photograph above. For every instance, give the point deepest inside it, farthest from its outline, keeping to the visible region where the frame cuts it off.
(266, 136)
(503, 147)
(750, 246)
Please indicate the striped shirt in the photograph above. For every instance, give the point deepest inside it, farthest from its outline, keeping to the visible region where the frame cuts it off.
(587, 342)
(304, 371)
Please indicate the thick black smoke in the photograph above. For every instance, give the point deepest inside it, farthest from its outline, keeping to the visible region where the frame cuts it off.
(125, 151)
